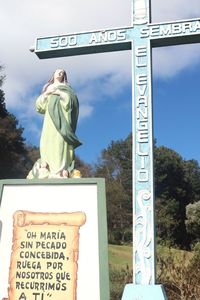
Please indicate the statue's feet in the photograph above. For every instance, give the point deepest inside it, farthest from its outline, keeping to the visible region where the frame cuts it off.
(41, 170)
(75, 174)
(65, 174)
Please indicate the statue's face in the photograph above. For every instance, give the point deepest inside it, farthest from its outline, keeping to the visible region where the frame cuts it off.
(59, 74)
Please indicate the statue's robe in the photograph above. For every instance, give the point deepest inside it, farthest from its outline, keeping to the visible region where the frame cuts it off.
(58, 139)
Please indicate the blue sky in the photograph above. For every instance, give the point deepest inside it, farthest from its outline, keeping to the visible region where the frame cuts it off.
(111, 120)
(102, 81)
(176, 110)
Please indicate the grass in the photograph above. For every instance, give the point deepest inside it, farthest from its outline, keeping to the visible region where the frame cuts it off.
(120, 269)
(175, 266)
(121, 255)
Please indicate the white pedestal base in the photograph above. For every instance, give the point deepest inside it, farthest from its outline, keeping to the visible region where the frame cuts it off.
(144, 292)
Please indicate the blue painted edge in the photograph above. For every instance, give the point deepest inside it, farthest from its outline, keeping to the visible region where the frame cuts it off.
(144, 292)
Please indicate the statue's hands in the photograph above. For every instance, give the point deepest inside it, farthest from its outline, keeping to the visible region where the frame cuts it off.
(59, 93)
(50, 90)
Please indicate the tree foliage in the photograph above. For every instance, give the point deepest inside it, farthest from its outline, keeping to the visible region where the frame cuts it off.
(193, 220)
(115, 165)
(13, 151)
(177, 183)
(85, 169)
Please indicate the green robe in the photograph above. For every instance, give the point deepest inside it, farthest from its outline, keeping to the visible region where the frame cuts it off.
(58, 138)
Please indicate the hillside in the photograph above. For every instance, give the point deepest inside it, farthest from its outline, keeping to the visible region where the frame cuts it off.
(173, 269)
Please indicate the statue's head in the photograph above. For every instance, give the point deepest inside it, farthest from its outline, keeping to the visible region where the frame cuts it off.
(60, 75)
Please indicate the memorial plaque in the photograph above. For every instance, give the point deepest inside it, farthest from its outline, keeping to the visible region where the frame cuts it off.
(44, 256)
(53, 241)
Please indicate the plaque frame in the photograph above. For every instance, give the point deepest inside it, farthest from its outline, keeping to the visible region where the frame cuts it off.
(86, 188)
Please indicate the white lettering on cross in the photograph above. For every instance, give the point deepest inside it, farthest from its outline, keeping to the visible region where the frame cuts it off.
(142, 112)
(141, 54)
(170, 29)
(196, 26)
(63, 41)
(107, 36)
(143, 175)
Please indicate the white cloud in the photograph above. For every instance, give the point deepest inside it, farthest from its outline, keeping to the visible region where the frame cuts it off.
(26, 20)
(169, 61)
(85, 111)
(21, 21)
(163, 10)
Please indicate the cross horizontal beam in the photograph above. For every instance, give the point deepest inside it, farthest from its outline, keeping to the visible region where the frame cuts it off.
(172, 33)
(84, 43)
(160, 34)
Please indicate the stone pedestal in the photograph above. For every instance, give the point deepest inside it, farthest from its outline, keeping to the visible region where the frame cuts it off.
(144, 292)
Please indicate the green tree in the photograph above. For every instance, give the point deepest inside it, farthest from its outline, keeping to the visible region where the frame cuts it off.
(192, 177)
(32, 155)
(85, 169)
(12, 145)
(177, 183)
(193, 220)
(115, 165)
(170, 189)
(3, 110)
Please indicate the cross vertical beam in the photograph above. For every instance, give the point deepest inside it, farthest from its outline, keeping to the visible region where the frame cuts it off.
(143, 187)
(143, 191)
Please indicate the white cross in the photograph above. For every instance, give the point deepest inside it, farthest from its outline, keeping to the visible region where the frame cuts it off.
(140, 38)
